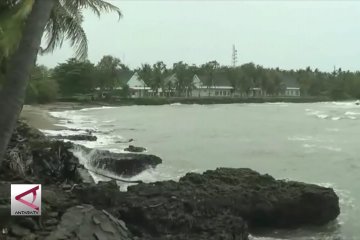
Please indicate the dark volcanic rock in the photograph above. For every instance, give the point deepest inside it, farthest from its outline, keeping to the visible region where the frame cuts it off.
(132, 148)
(30, 153)
(218, 199)
(125, 164)
(77, 137)
(85, 222)
(53, 161)
(260, 199)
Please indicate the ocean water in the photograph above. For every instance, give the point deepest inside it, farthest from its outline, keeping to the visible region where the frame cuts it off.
(313, 142)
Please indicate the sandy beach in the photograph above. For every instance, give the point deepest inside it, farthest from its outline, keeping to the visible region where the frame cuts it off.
(38, 115)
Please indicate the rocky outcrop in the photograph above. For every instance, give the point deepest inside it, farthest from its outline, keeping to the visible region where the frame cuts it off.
(134, 149)
(76, 137)
(215, 204)
(218, 204)
(31, 153)
(124, 164)
(84, 222)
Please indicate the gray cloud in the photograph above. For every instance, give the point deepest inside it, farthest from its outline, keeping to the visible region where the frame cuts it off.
(288, 34)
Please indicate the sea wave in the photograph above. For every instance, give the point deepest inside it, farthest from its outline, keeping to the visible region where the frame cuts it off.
(175, 104)
(352, 113)
(64, 132)
(96, 108)
(301, 138)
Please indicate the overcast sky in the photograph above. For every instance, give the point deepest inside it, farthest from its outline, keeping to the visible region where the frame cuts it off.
(286, 34)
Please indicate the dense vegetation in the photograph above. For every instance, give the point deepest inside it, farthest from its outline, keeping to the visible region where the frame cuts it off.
(75, 77)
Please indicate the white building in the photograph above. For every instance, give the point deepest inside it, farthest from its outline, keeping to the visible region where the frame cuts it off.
(291, 87)
(137, 86)
(219, 87)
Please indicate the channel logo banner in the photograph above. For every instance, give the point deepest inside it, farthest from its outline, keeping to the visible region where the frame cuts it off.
(25, 199)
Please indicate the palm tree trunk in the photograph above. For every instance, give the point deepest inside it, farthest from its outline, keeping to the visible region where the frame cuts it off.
(20, 65)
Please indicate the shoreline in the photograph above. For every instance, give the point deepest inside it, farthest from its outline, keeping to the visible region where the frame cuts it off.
(39, 117)
(192, 100)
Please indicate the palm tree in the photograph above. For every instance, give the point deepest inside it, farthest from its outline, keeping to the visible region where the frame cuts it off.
(26, 22)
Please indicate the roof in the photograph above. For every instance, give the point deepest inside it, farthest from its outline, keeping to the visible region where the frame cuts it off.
(171, 79)
(124, 77)
(290, 81)
(219, 79)
(136, 82)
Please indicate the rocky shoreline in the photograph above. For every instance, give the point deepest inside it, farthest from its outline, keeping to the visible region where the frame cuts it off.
(219, 204)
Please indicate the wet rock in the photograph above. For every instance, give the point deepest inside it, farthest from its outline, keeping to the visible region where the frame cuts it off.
(125, 141)
(66, 186)
(125, 164)
(28, 222)
(51, 222)
(85, 222)
(132, 148)
(53, 214)
(18, 231)
(77, 137)
(216, 204)
(54, 162)
(260, 199)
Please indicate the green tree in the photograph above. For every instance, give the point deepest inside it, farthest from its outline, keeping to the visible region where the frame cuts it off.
(184, 74)
(108, 72)
(233, 74)
(60, 19)
(42, 87)
(125, 91)
(145, 73)
(158, 75)
(210, 68)
(75, 77)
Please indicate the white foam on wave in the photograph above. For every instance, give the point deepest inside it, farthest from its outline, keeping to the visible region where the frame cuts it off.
(73, 119)
(317, 113)
(280, 104)
(330, 148)
(96, 108)
(64, 132)
(301, 138)
(309, 145)
(175, 104)
(352, 113)
(335, 118)
(322, 116)
(343, 104)
(332, 129)
(102, 141)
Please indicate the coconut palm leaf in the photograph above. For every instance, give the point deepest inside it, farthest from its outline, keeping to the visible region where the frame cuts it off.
(64, 24)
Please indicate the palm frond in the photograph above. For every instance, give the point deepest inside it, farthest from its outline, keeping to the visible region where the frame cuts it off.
(97, 6)
(65, 24)
(11, 23)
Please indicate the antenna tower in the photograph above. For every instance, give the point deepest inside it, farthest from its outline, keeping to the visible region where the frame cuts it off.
(234, 56)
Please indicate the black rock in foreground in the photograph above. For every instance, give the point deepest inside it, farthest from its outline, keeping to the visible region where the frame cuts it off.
(216, 203)
(84, 222)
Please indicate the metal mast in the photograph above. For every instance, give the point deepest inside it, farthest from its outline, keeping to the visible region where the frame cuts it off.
(234, 56)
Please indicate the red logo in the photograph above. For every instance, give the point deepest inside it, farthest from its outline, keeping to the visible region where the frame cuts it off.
(29, 204)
